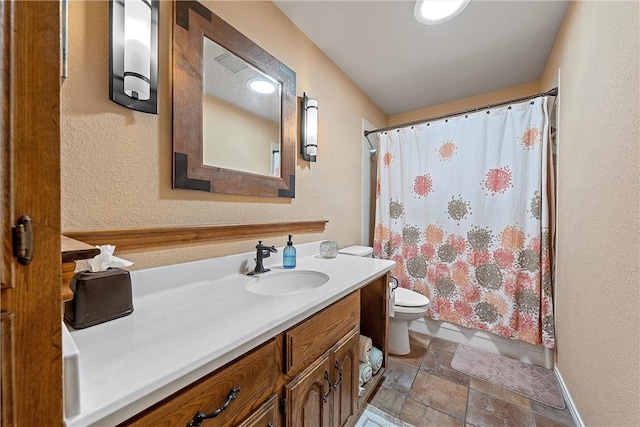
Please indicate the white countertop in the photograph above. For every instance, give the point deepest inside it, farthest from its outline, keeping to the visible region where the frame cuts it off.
(188, 320)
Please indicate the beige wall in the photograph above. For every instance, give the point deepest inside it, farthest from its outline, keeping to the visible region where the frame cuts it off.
(467, 103)
(236, 139)
(597, 304)
(116, 164)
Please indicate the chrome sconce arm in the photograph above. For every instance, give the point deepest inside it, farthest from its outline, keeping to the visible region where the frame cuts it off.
(309, 129)
(133, 54)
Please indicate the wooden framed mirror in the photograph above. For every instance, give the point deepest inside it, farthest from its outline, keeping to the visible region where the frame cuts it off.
(216, 135)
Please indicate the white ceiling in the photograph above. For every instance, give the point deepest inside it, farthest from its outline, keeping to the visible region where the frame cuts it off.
(403, 65)
(226, 77)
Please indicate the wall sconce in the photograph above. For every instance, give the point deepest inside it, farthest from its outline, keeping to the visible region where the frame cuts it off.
(309, 129)
(133, 54)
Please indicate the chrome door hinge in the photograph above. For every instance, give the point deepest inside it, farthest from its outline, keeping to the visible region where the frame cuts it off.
(23, 240)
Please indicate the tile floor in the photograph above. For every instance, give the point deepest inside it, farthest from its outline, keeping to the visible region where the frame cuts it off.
(421, 389)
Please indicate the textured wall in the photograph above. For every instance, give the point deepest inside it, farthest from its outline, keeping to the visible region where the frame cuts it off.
(467, 103)
(597, 303)
(116, 164)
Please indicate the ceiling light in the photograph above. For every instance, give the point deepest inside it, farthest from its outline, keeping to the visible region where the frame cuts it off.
(261, 86)
(433, 12)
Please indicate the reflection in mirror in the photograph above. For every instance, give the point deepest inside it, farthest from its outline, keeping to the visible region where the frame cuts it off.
(240, 104)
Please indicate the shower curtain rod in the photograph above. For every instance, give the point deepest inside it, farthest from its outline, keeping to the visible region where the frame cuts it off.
(552, 92)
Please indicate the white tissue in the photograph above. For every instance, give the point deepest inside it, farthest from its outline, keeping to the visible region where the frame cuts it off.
(105, 259)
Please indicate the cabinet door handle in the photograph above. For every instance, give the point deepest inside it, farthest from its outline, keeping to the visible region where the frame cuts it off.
(326, 377)
(337, 384)
(201, 416)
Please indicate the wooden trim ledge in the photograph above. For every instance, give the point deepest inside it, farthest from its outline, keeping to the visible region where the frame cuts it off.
(143, 238)
(71, 251)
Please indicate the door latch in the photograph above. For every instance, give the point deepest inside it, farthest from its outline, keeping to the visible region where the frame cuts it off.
(23, 240)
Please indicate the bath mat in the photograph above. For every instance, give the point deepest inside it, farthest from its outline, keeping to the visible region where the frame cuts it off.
(374, 417)
(532, 381)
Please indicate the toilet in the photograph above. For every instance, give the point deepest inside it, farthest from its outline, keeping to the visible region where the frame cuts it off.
(408, 306)
(404, 308)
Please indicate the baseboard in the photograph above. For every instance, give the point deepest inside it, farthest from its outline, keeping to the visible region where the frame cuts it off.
(520, 350)
(567, 399)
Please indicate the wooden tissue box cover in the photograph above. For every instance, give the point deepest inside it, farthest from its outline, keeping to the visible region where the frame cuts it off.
(98, 297)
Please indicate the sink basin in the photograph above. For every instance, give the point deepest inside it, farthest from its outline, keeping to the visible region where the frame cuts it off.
(287, 282)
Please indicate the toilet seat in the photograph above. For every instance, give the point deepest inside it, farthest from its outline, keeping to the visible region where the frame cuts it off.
(408, 298)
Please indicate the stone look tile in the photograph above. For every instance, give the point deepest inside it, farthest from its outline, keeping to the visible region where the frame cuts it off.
(399, 376)
(485, 410)
(422, 389)
(418, 344)
(441, 394)
(449, 346)
(388, 400)
(419, 415)
(418, 339)
(562, 416)
(437, 361)
(500, 393)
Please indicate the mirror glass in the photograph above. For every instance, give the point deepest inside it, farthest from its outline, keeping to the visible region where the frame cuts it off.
(241, 114)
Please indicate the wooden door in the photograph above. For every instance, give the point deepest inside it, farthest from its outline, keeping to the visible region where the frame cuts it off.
(30, 176)
(344, 360)
(308, 396)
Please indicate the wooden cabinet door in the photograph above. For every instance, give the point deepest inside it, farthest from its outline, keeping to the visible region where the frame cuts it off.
(267, 415)
(308, 396)
(31, 374)
(345, 358)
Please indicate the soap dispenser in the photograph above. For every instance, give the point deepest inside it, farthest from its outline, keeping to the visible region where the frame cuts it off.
(289, 255)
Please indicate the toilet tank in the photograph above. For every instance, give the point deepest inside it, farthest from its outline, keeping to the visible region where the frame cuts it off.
(363, 251)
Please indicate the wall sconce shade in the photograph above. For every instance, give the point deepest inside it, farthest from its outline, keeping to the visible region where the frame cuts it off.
(133, 54)
(309, 129)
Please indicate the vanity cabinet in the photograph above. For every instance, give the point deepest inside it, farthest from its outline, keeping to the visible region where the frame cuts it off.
(268, 415)
(252, 378)
(307, 396)
(345, 360)
(325, 393)
(304, 376)
(312, 337)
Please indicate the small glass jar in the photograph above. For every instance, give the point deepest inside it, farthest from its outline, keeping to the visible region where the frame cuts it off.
(328, 249)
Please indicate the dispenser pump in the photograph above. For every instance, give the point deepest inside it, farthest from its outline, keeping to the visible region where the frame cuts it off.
(289, 255)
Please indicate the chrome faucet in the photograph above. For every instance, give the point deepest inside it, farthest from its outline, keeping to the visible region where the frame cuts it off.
(262, 252)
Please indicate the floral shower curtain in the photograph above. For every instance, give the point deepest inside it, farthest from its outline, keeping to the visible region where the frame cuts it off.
(463, 206)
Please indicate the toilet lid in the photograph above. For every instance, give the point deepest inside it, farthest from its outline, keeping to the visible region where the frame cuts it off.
(356, 250)
(409, 298)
